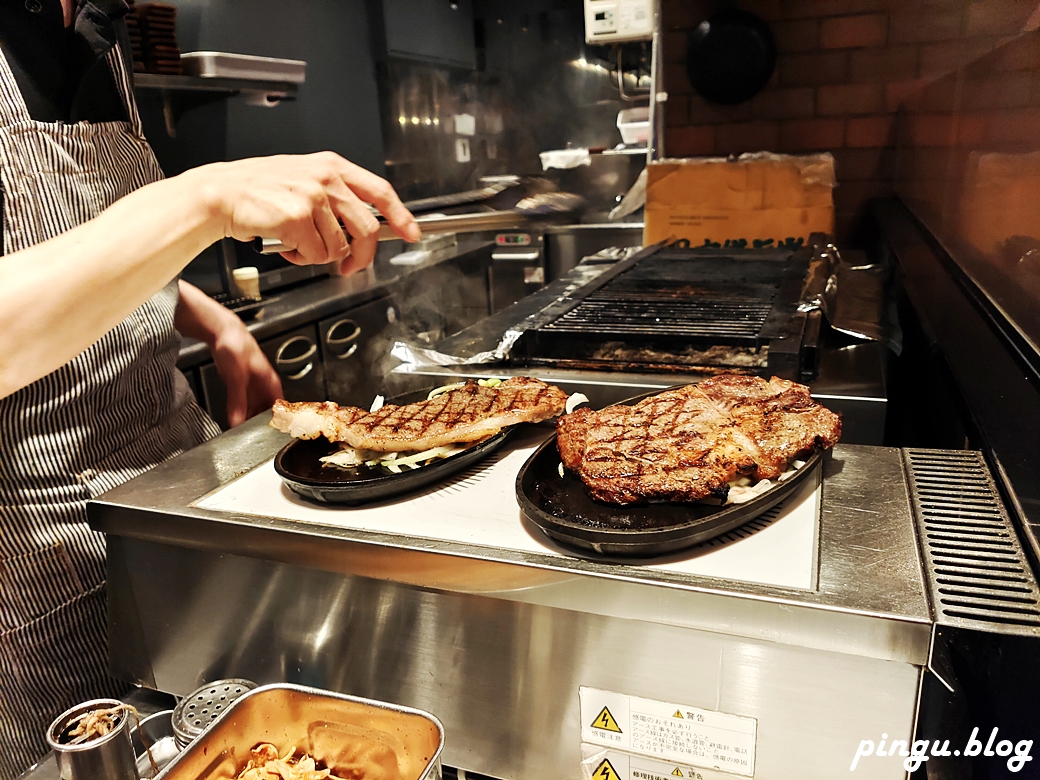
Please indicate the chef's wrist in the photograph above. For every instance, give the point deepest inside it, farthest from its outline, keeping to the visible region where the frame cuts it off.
(209, 193)
(200, 317)
(225, 327)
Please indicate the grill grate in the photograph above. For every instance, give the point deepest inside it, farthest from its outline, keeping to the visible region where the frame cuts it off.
(978, 572)
(692, 297)
(729, 319)
(688, 310)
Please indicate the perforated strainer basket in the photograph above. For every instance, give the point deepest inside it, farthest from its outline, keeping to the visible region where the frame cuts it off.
(197, 710)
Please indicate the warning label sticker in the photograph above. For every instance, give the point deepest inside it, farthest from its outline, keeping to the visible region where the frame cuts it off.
(606, 721)
(668, 731)
(600, 764)
(605, 771)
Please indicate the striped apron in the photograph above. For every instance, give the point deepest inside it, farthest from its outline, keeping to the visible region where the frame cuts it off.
(110, 414)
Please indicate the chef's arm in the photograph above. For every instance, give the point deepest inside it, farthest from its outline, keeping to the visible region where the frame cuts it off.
(252, 383)
(60, 296)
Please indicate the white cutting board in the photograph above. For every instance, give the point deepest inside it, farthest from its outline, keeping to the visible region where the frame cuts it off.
(478, 507)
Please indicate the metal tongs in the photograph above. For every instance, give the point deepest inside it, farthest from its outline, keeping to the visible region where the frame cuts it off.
(544, 205)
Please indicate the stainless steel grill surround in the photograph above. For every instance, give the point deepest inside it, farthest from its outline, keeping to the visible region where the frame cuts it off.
(978, 574)
(496, 642)
(668, 301)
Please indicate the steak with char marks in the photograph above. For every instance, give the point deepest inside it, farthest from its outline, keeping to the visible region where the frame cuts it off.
(465, 414)
(689, 443)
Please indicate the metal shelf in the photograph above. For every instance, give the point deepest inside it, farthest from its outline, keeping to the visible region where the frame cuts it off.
(282, 89)
(183, 93)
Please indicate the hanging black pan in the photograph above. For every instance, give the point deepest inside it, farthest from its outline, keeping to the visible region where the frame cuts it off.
(730, 56)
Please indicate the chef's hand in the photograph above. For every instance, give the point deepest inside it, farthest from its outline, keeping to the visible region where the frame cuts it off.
(301, 201)
(252, 384)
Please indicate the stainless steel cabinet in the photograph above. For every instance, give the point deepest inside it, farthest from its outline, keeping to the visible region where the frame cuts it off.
(297, 358)
(515, 272)
(355, 345)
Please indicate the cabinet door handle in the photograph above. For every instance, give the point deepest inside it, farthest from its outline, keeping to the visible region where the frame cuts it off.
(333, 342)
(331, 338)
(284, 364)
(516, 256)
(301, 373)
(348, 353)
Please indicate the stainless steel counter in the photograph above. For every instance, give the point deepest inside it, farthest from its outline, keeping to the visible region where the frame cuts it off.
(497, 642)
(880, 617)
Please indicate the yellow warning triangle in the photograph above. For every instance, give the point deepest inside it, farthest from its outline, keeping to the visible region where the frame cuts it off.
(606, 722)
(605, 771)
(677, 715)
(677, 772)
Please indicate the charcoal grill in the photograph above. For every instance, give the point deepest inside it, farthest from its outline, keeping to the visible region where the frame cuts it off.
(670, 309)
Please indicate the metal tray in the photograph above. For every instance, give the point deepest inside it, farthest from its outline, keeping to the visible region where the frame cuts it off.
(299, 465)
(562, 509)
(308, 718)
(219, 64)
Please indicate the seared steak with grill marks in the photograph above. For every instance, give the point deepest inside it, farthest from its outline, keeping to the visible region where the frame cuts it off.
(465, 414)
(683, 445)
(779, 415)
(310, 419)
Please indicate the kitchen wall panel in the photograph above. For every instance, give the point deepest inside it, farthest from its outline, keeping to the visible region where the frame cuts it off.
(337, 108)
(844, 68)
(536, 87)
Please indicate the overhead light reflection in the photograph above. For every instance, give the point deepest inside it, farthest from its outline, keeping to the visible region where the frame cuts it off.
(583, 64)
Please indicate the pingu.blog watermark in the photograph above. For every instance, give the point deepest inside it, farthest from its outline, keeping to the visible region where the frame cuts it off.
(918, 751)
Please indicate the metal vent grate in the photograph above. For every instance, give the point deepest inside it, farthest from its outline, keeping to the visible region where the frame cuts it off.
(749, 528)
(978, 573)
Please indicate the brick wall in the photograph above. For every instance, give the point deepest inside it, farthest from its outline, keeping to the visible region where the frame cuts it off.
(844, 67)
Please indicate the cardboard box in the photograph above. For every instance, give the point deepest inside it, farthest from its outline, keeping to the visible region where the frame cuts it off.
(758, 199)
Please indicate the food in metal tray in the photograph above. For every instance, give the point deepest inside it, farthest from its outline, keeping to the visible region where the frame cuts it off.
(462, 414)
(367, 762)
(695, 442)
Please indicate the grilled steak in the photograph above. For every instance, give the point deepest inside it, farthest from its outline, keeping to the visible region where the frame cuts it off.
(309, 420)
(465, 414)
(779, 415)
(685, 444)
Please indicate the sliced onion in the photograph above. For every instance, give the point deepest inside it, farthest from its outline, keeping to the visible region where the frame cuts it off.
(444, 389)
(738, 494)
(377, 404)
(346, 458)
(574, 400)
